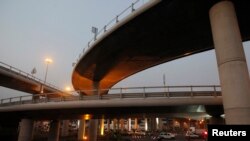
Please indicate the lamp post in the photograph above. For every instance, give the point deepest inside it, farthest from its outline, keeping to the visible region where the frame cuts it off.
(47, 61)
(95, 31)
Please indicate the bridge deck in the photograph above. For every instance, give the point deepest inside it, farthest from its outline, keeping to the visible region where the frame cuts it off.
(157, 32)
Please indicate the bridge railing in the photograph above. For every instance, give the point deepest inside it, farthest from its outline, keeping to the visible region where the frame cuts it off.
(119, 93)
(21, 73)
(112, 22)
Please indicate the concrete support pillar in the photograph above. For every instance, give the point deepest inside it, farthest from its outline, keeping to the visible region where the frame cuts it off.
(26, 129)
(54, 130)
(129, 124)
(122, 124)
(118, 124)
(65, 128)
(234, 76)
(160, 124)
(115, 124)
(81, 130)
(102, 126)
(157, 120)
(146, 124)
(108, 125)
(153, 124)
(93, 129)
(136, 124)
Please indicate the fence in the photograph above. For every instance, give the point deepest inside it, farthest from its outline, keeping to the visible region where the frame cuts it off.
(119, 93)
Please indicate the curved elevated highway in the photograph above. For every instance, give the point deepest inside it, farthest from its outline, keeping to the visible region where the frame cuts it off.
(158, 32)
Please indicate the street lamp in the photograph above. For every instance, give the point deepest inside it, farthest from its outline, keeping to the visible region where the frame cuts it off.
(95, 31)
(67, 89)
(47, 61)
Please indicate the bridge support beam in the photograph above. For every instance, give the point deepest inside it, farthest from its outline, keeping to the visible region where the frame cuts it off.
(234, 77)
(54, 130)
(129, 124)
(65, 128)
(108, 125)
(102, 126)
(153, 124)
(82, 130)
(26, 130)
(122, 125)
(93, 129)
(136, 124)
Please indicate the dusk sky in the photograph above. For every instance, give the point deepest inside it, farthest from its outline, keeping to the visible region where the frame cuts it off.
(31, 30)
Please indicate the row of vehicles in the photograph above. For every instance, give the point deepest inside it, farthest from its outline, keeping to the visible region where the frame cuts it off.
(190, 134)
(196, 133)
(166, 135)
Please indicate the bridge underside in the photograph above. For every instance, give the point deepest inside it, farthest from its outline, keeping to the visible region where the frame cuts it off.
(13, 80)
(19, 84)
(116, 112)
(169, 30)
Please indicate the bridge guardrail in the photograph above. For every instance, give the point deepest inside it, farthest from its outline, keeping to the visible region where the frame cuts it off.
(106, 27)
(26, 75)
(120, 93)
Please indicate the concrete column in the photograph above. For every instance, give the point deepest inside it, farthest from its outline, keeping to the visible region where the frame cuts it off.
(54, 130)
(129, 124)
(157, 120)
(160, 124)
(102, 126)
(108, 125)
(231, 61)
(122, 124)
(118, 124)
(26, 129)
(65, 128)
(136, 123)
(146, 124)
(93, 127)
(81, 130)
(115, 124)
(153, 124)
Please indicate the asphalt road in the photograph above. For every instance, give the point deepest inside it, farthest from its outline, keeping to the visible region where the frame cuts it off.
(178, 138)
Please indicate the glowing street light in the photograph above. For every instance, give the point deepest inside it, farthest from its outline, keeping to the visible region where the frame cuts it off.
(47, 61)
(68, 89)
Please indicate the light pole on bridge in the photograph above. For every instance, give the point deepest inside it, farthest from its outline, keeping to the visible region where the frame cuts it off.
(47, 61)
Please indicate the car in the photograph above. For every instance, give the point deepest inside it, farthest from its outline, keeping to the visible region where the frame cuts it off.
(142, 133)
(204, 135)
(191, 135)
(164, 135)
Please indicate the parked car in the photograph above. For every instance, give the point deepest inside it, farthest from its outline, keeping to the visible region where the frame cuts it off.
(191, 135)
(204, 135)
(164, 135)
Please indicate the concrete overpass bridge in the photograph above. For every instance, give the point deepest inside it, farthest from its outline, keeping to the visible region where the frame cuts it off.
(129, 100)
(157, 32)
(164, 30)
(17, 79)
(195, 102)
